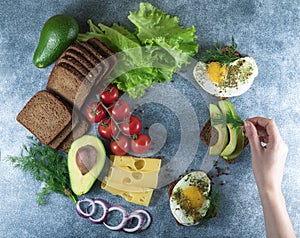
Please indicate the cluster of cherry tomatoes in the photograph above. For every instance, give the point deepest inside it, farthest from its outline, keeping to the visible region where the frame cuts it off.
(117, 124)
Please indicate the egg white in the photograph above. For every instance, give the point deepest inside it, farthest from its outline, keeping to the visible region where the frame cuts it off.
(188, 180)
(203, 80)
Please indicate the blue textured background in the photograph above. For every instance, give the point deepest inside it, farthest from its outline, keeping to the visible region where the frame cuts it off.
(267, 30)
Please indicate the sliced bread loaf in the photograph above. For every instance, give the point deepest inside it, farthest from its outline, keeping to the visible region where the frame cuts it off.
(45, 116)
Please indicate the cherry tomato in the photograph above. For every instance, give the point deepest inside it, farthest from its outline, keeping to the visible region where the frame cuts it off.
(120, 146)
(140, 144)
(107, 129)
(110, 94)
(120, 110)
(95, 112)
(131, 126)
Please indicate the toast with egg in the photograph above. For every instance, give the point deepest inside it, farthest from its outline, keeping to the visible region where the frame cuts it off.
(224, 72)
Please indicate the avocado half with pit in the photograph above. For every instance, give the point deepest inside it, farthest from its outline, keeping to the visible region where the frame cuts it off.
(86, 159)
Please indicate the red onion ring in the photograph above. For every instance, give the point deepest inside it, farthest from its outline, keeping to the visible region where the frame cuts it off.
(124, 218)
(139, 224)
(105, 212)
(143, 217)
(148, 221)
(86, 213)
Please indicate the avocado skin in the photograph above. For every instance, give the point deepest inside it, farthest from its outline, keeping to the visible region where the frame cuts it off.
(57, 34)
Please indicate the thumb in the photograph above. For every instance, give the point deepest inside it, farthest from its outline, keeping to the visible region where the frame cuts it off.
(253, 138)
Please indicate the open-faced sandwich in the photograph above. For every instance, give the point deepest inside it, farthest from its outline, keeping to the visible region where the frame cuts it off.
(224, 72)
(223, 133)
(192, 200)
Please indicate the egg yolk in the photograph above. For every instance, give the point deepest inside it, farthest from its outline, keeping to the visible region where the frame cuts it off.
(216, 72)
(194, 196)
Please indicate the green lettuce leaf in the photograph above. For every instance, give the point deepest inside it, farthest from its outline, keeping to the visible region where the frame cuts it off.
(158, 47)
(154, 27)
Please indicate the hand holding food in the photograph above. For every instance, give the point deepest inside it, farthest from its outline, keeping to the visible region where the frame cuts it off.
(268, 160)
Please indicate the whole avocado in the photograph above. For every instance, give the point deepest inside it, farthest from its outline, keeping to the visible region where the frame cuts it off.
(57, 34)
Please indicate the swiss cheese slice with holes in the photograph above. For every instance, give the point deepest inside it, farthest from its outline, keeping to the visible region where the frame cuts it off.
(129, 178)
(141, 198)
(136, 164)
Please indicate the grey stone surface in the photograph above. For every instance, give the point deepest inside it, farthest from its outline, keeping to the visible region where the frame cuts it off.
(267, 30)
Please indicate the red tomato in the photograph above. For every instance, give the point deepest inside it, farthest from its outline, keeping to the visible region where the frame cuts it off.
(120, 110)
(107, 129)
(131, 126)
(110, 94)
(140, 144)
(120, 146)
(95, 112)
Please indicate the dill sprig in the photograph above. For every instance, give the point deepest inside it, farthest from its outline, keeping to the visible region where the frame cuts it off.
(47, 166)
(224, 55)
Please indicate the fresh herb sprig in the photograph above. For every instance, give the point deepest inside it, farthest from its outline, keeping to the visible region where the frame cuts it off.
(214, 198)
(46, 165)
(234, 120)
(224, 55)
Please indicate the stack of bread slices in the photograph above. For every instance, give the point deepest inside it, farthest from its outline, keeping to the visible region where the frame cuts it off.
(53, 115)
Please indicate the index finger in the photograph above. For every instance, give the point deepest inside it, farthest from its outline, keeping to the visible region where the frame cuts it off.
(269, 125)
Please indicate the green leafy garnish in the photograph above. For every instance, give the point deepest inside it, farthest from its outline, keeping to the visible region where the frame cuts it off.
(212, 211)
(224, 55)
(158, 47)
(45, 165)
(228, 118)
(235, 121)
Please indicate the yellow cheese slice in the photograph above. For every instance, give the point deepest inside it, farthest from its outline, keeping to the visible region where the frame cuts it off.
(133, 178)
(108, 181)
(140, 198)
(136, 164)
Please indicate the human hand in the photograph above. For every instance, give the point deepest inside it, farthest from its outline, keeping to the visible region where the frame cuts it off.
(267, 161)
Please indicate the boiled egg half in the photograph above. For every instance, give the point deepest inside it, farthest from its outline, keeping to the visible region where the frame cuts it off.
(226, 80)
(189, 200)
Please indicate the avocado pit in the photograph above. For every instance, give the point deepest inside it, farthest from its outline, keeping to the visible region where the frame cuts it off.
(86, 158)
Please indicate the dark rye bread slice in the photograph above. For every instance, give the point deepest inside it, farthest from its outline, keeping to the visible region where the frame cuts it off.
(73, 53)
(109, 55)
(69, 84)
(82, 128)
(103, 64)
(45, 116)
(75, 64)
(65, 132)
(87, 54)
